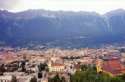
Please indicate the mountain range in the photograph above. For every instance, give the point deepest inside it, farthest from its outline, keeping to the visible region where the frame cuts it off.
(61, 27)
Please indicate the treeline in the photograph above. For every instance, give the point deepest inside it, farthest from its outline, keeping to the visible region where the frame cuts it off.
(89, 74)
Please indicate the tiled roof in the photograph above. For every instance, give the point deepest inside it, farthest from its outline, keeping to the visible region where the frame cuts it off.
(8, 57)
(113, 66)
(57, 64)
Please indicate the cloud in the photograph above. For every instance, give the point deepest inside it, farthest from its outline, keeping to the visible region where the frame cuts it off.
(100, 6)
(8, 4)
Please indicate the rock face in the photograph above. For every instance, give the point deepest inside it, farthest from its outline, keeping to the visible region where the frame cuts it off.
(42, 25)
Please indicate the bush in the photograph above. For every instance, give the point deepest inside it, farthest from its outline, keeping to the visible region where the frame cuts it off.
(34, 79)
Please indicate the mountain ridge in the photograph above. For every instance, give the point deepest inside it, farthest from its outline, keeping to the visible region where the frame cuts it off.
(42, 25)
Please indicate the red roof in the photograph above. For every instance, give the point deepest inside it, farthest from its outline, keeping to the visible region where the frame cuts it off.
(57, 64)
(113, 66)
(8, 57)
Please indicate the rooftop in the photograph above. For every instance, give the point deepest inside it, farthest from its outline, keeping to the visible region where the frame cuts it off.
(114, 66)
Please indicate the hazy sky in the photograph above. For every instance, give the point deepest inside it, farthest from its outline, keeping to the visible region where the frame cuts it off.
(100, 6)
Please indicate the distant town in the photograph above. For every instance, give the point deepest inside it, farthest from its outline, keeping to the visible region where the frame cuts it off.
(59, 65)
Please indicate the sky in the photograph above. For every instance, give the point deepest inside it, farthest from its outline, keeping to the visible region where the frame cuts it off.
(99, 6)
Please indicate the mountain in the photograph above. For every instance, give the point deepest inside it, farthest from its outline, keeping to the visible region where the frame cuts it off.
(116, 21)
(47, 26)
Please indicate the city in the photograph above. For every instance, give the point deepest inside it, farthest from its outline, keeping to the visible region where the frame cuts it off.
(62, 40)
(24, 65)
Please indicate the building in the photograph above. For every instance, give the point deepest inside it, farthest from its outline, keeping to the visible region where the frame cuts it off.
(86, 60)
(5, 78)
(44, 80)
(20, 76)
(99, 64)
(56, 67)
(24, 78)
(111, 66)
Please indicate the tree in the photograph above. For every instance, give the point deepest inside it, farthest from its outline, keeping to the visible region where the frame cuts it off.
(84, 67)
(63, 79)
(22, 66)
(122, 76)
(14, 79)
(117, 79)
(40, 75)
(89, 74)
(2, 69)
(42, 67)
(56, 78)
(34, 79)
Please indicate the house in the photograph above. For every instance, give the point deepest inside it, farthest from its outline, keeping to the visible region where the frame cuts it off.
(6, 78)
(56, 67)
(111, 66)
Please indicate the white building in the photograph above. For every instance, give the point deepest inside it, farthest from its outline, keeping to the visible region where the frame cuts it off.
(5, 78)
(56, 67)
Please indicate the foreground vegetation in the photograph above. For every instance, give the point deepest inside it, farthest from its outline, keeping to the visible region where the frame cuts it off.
(89, 74)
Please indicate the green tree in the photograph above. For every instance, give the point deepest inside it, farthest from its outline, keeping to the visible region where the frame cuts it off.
(56, 78)
(122, 76)
(84, 67)
(89, 74)
(117, 79)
